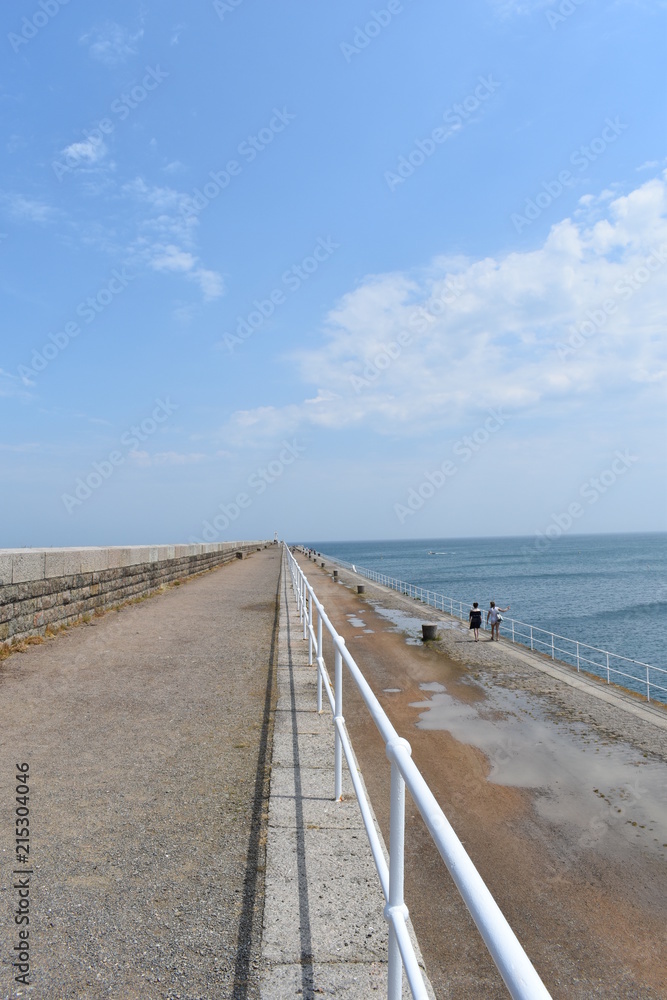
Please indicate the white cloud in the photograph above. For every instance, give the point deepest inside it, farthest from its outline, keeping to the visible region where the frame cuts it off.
(210, 282)
(648, 165)
(86, 153)
(167, 237)
(14, 385)
(145, 460)
(21, 449)
(409, 352)
(178, 458)
(512, 8)
(27, 209)
(111, 44)
(170, 258)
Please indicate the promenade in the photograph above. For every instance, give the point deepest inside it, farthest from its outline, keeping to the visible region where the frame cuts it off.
(185, 844)
(160, 868)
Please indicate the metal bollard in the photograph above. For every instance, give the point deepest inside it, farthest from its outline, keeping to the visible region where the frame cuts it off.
(361, 588)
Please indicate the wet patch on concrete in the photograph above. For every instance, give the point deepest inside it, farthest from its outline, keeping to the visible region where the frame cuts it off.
(609, 791)
(409, 624)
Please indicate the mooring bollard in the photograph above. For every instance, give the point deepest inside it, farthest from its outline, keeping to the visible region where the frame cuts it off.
(361, 589)
(335, 574)
(239, 555)
(322, 565)
(429, 632)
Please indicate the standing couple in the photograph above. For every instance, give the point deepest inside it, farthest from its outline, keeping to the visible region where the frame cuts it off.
(492, 618)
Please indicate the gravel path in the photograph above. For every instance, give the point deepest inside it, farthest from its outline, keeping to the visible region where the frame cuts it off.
(148, 739)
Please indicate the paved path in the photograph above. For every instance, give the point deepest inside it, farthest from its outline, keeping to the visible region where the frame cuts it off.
(146, 734)
(324, 932)
(558, 796)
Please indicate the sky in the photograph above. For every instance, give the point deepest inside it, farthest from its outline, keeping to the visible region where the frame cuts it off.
(339, 270)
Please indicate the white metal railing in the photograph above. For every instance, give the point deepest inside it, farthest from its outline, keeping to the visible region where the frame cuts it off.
(515, 967)
(590, 659)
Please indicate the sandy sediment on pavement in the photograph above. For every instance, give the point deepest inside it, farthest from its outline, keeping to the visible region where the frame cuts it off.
(555, 784)
(615, 713)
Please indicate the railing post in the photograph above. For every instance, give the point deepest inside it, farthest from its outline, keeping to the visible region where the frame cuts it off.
(512, 630)
(607, 668)
(338, 721)
(310, 631)
(577, 657)
(531, 637)
(648, 696)
(306, 602)
(553, 653)
(395, 900)
(319, 660)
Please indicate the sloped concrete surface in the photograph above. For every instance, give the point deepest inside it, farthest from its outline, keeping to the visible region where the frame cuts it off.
(324, 933)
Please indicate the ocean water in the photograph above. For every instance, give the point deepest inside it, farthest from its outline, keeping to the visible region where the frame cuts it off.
(608, 591)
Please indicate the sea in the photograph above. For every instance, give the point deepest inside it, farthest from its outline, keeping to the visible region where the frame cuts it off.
(609, 591)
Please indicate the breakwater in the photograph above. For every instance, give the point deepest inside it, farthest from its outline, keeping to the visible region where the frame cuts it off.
(44, 589)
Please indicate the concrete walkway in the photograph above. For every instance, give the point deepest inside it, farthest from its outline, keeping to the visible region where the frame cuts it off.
(147, 734)
(324, 933)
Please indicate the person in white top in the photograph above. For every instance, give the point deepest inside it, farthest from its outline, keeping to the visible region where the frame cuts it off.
(493, 619)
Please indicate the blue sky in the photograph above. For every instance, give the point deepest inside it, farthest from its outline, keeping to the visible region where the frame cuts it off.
(337, 270)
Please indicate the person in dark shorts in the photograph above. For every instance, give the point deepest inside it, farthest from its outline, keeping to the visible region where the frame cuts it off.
(475, 619)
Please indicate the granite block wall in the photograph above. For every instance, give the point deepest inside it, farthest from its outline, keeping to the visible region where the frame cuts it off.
(52, 587)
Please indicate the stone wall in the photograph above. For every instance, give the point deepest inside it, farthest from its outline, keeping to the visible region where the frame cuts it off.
(42, 588)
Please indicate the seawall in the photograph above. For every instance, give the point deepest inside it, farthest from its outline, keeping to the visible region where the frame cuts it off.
(42, 589)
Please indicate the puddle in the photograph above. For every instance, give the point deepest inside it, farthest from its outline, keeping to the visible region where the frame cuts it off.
(369, 631)
(606, 790)
(391, 690)
(410, 624)
(356, 622)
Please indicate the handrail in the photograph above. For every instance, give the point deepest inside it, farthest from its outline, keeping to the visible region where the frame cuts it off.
(515, 967)
(578, 658)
